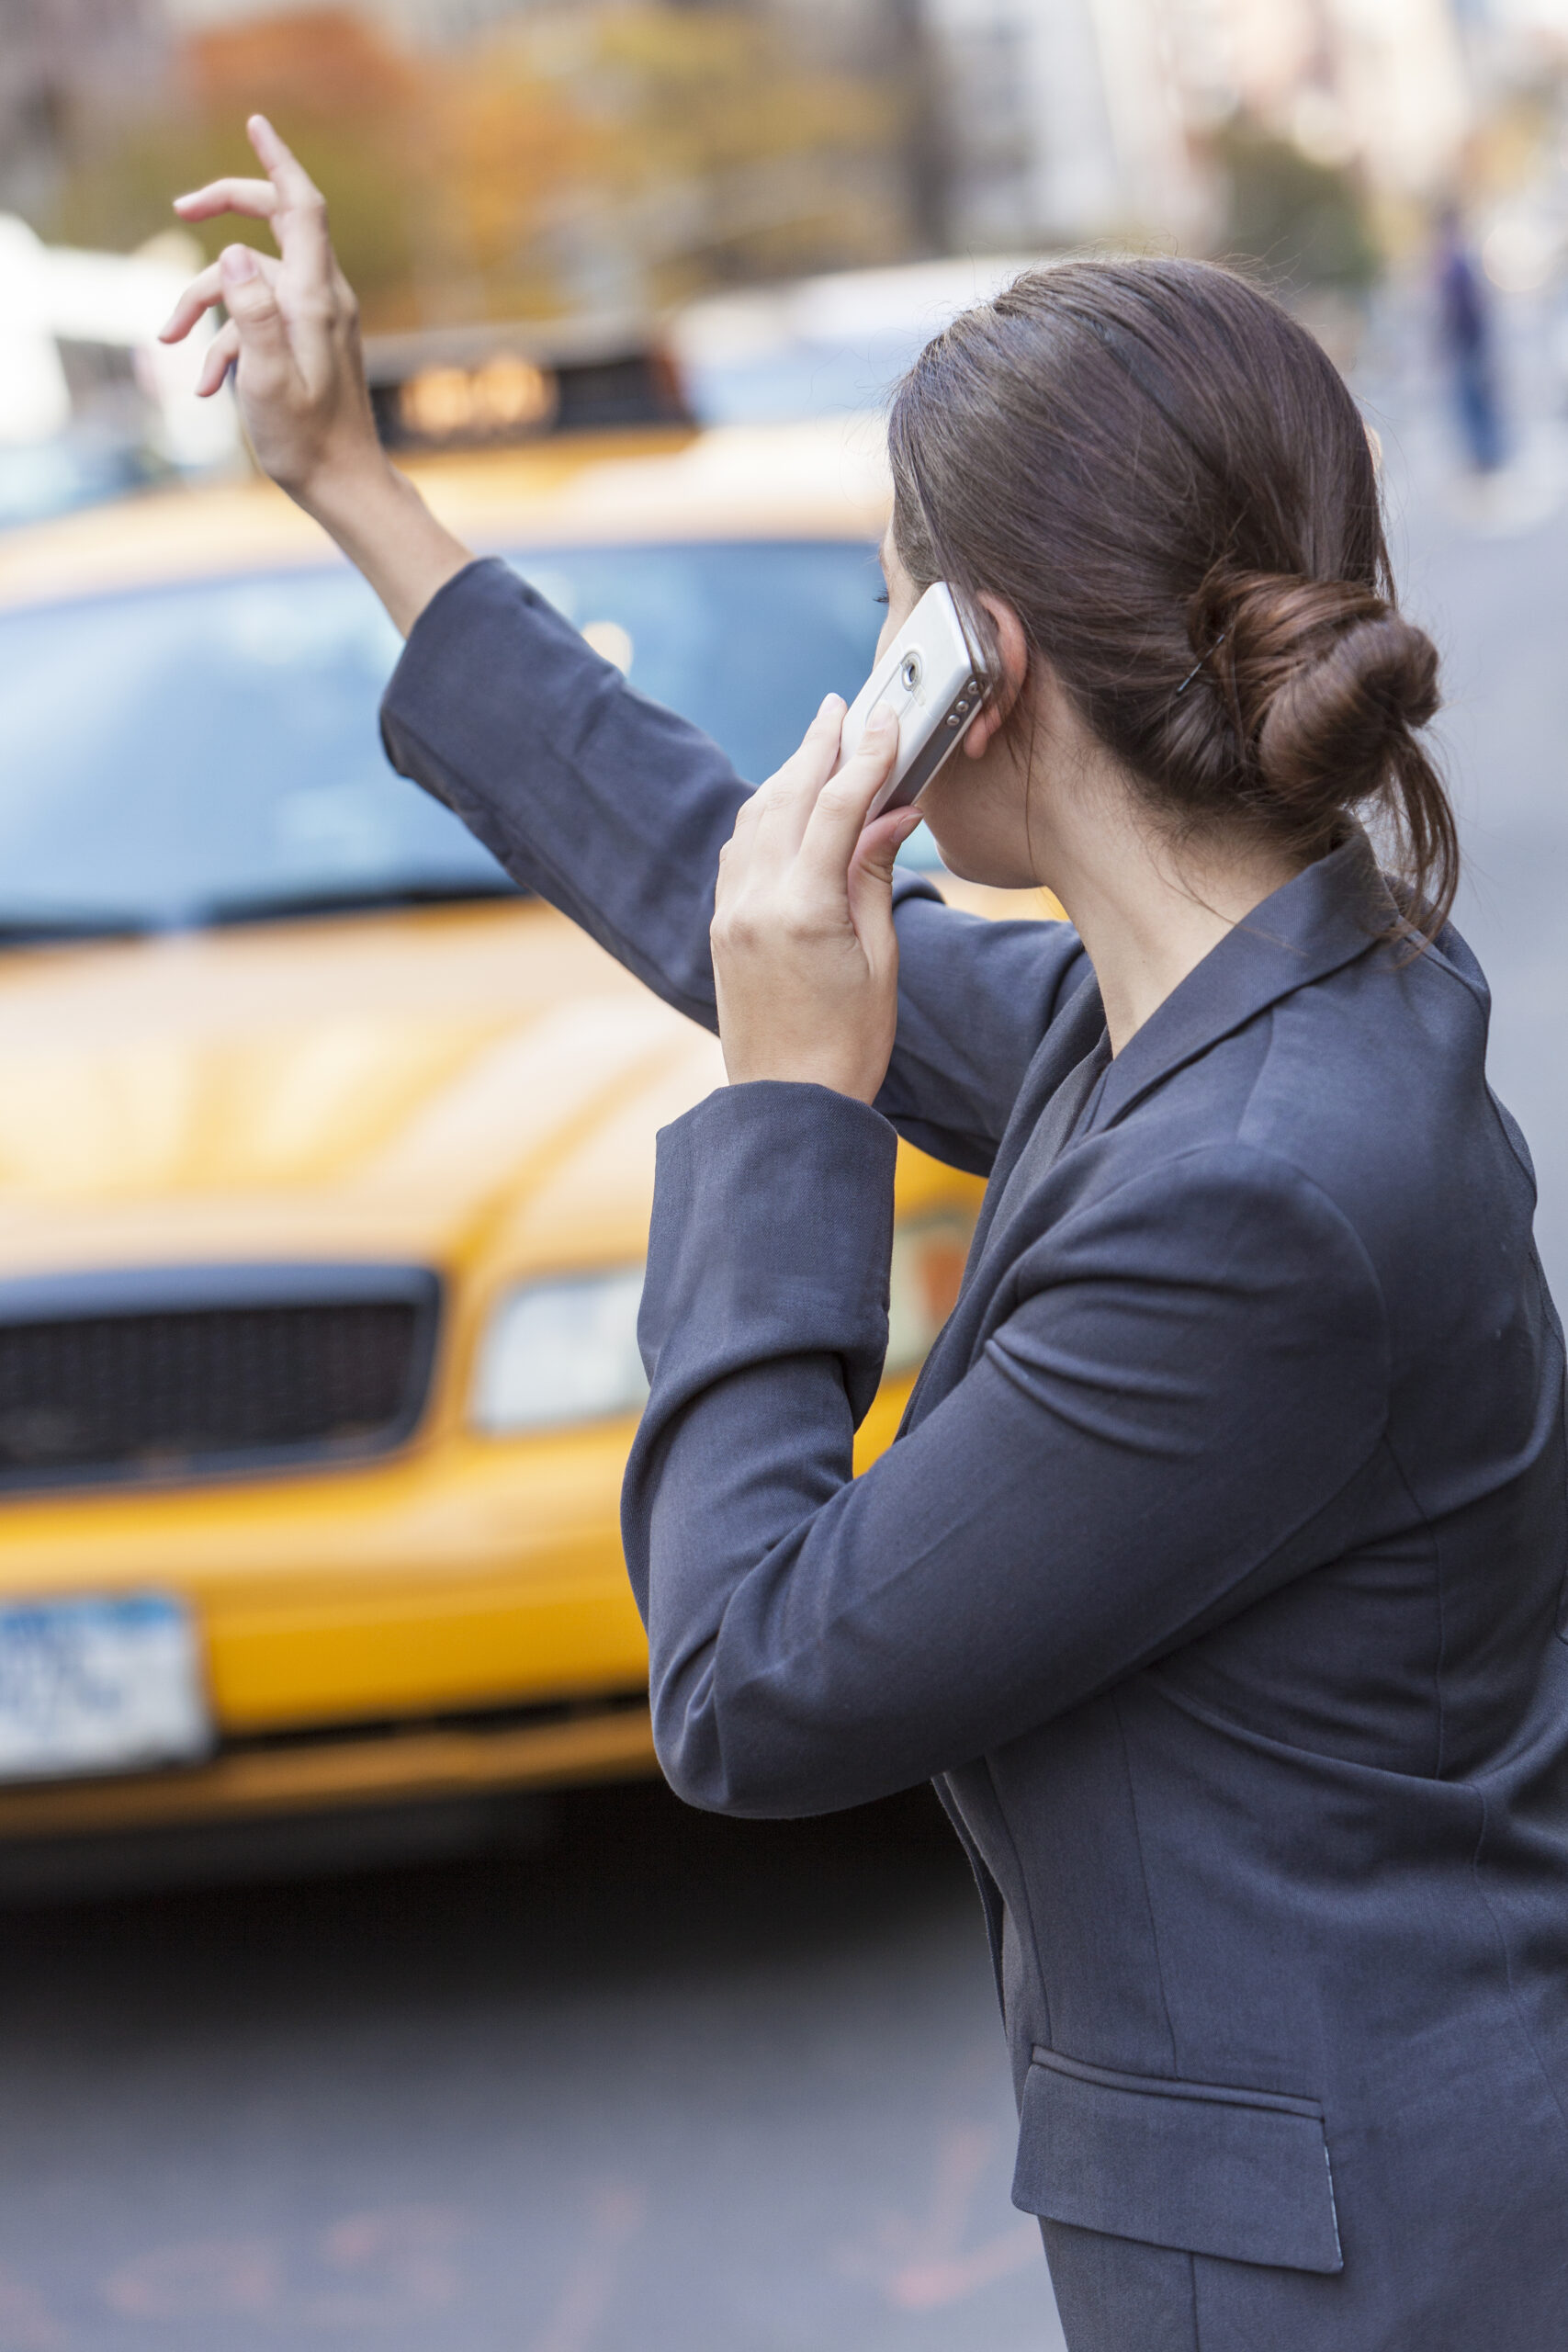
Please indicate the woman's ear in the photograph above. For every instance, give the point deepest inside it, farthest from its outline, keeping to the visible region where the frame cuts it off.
(1012, 652)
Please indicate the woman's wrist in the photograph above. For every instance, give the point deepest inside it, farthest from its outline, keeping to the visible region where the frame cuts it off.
(345, 489)
(385, 529)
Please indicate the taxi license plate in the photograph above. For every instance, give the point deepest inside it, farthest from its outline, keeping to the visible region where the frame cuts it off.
(110, 1685)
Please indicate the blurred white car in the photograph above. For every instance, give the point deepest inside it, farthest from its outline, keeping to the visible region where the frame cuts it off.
(820, 345)
(91, 403)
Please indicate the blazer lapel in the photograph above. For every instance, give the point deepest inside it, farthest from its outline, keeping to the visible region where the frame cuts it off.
(1071, 1037)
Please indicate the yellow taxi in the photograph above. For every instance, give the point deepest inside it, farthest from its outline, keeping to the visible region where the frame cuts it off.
(326, 1156)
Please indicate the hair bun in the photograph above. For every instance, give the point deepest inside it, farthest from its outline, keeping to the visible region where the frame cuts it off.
(1328, 680)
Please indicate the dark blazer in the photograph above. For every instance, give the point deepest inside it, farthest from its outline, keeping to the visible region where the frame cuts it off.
(1216, 1575)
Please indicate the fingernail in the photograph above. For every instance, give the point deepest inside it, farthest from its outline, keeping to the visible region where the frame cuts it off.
(237, 264)
(881, 720)
(830, 702)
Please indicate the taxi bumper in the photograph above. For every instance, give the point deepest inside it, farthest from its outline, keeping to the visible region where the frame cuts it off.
(451, 1621)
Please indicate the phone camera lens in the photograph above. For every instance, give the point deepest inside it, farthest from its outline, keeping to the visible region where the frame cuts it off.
(909, 675)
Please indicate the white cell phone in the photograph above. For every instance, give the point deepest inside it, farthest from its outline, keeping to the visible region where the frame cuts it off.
(931, 677)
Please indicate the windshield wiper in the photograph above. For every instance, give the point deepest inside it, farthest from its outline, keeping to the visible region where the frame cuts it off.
(42, 931)
(62, 925)
(278, 906)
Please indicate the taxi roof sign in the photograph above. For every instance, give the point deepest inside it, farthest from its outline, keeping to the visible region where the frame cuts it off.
(484, 387)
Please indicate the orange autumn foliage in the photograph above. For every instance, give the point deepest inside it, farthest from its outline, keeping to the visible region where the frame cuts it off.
(326, 62)
(605, 152)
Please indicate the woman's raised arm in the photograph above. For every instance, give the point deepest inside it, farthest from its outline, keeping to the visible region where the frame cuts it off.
(610, 807)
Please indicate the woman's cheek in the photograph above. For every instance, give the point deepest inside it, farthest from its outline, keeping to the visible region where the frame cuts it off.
(954, 819)
(976, 817)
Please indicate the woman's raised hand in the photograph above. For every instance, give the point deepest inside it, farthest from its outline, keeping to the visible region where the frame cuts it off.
(292, 339)
(805, 958)
(292, 334)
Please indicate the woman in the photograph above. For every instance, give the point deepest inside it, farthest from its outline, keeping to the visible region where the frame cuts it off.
(1216, 1575)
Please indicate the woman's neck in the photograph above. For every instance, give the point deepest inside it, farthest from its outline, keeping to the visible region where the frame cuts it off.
(1147, 909)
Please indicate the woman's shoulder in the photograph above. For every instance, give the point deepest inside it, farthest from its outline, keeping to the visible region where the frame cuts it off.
(1350, 1119)
(1375, 1077)
(1370, 1087)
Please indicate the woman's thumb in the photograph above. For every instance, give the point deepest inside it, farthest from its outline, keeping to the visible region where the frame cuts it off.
(879, 846)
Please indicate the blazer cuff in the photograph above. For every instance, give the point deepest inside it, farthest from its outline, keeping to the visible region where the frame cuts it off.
(438, 639)
(771, 1237)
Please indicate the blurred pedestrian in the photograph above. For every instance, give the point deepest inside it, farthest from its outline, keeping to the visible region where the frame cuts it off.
(1216, 1575)
(1466, 344)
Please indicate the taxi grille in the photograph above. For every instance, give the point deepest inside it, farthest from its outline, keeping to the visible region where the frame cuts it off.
(230, 1368)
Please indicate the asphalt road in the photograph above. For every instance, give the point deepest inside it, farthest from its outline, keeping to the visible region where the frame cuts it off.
(669, 2085)
(665, 2084)
(1485, 569)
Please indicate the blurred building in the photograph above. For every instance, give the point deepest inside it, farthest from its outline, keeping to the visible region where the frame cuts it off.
(1024, 120)
(1063, 119)
(62, 61)
(515, 157)
(1381, 87)
(1073, 118)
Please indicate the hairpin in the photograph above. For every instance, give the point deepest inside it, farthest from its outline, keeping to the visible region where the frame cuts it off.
(1196, 665)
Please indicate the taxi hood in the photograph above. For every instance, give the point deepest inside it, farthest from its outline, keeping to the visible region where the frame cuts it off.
(438, 1086)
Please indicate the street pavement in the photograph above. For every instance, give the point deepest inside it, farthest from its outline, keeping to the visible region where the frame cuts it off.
(664, 2084)
(1484, 567)
(667, 2084)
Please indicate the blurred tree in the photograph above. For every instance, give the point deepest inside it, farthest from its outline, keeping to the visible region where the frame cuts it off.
(343, 96)
(581, 156)
(641, 152)
(1304, 223)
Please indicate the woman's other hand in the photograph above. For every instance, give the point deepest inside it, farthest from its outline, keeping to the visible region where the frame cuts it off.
(805, 958)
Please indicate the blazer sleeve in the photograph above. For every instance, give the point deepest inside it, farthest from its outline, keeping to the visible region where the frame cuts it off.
(1183, 1378)
(614, 810)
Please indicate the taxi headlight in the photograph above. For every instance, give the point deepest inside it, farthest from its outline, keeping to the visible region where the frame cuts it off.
(561, 1352)
(922, 1285)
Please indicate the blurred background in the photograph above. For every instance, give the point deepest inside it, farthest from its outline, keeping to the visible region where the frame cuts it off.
(506, 159)
(359, 1980)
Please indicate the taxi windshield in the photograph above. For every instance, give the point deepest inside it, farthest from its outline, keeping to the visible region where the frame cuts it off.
(208, 753)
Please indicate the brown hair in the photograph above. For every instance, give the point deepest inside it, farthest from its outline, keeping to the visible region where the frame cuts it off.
(1166, 478)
